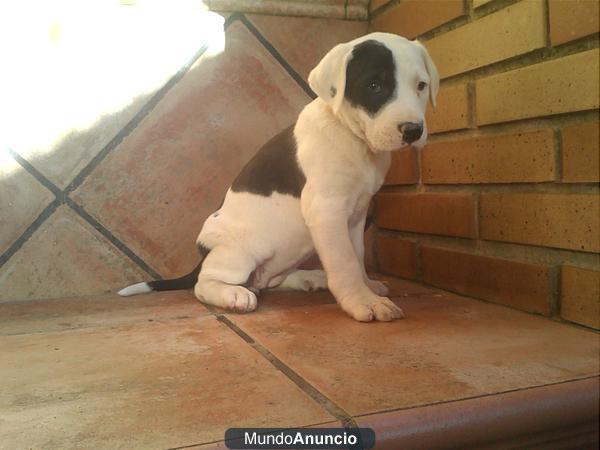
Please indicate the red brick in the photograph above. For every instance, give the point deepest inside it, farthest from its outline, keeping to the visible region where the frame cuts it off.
(413, 17)
(572, 19)
(432, 213)
(568, 221)
(557, 86)
(397, 256)
(581, 153)
(520, 285)
(506, 158)
(404, 168)
(580, 301)
(511, 31)
(452, 110)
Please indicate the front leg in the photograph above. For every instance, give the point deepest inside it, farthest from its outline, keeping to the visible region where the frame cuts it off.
(357, 235)
(327, 221)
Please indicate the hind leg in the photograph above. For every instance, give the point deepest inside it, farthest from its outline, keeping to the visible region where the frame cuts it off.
(223, 271)
(304, 280)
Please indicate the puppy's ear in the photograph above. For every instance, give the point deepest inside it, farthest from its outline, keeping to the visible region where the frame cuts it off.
(434, 77)
(328, 79)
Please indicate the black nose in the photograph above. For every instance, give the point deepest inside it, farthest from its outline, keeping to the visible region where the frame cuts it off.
(411, 131)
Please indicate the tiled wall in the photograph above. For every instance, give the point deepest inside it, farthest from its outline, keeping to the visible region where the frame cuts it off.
(503, 203)
(126, 200)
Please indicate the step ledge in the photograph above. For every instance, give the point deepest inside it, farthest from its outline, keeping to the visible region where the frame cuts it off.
(571, 406)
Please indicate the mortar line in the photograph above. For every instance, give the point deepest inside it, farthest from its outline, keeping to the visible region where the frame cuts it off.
(275, 54)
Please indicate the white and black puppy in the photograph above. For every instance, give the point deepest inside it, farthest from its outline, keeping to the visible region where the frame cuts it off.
(308, 189)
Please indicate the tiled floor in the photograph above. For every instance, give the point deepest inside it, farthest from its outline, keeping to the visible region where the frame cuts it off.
(162, 371)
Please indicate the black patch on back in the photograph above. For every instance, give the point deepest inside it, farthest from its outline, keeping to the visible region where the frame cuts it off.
(372, 62)
(274, 168)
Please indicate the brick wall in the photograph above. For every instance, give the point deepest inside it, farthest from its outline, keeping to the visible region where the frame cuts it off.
(502, 204)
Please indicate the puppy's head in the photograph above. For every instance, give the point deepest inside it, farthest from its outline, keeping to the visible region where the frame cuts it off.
(379, 84)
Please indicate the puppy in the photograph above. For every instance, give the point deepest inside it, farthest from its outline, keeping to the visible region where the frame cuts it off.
(308, 189)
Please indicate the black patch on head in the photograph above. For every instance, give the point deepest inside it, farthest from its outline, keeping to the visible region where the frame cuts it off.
(332, 91)
(372, 64)
(274, 168)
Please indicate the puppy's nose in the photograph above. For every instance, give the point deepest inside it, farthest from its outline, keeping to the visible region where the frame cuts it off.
(411, 131)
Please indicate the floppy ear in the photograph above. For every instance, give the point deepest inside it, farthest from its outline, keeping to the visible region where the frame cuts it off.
(434, 77)
(328, 79)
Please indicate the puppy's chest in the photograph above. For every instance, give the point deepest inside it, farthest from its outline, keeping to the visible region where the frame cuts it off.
(368, 181)
(370, 178)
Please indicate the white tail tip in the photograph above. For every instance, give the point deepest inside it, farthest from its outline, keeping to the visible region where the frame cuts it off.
(139, 288)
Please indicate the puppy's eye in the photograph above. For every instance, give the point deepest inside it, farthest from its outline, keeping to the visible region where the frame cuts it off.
(375, 87)
(422, 85)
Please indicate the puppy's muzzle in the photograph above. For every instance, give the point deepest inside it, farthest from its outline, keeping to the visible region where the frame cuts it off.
(411, 131)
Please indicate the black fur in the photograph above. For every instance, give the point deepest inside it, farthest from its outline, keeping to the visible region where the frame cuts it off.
(274, 168)
(185, 282)
(372, 64)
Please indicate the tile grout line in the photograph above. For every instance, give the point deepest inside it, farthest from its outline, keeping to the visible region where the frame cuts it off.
(275, 54)
(29, 231)
(62, 198)
(321, 399)
(79, 210)
(35, 173)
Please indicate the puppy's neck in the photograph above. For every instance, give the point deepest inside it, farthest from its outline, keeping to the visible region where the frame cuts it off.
(350, 122)
(347, 128)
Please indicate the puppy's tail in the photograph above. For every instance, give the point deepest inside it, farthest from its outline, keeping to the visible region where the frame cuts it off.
(185, 282)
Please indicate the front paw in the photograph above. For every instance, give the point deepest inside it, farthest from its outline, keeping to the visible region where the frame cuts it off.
(378, 287)
(371, 307)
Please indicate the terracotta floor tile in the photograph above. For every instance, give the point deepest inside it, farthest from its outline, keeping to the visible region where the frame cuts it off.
(156, 384)
(110, 310)
(63, 258)
(182, 158)
(447, 348)
(304, 41)
(22, 199)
